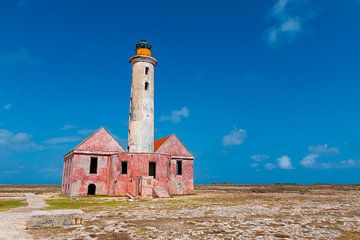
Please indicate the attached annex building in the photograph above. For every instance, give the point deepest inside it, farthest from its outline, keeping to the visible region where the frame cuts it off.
(160, 168)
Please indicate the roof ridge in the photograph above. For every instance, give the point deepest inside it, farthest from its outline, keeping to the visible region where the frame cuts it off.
(87, 138)
(93, 134)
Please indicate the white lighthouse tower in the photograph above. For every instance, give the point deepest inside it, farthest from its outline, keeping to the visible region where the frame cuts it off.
(141, 117)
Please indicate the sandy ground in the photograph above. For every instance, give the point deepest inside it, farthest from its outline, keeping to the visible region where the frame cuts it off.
(218, 212)
(13, 222)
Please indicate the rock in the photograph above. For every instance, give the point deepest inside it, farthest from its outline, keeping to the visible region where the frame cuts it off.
(56, 218)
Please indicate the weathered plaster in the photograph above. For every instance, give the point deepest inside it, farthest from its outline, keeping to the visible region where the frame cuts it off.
(142, 150)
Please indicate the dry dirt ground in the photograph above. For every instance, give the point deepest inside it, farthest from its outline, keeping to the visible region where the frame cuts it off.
(213, 212)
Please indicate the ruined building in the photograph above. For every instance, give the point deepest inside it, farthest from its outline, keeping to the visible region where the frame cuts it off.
(99, 165)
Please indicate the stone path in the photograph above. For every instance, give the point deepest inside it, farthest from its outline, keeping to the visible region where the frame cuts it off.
(13, 222)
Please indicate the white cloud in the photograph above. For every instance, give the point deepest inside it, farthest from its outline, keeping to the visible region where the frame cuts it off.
(309, 160)
(58, 140)
(284, 162)
(22, 3)
(77, 137)
(289, 17)
(234, 138)
(21, 56)
(259, 157)
(7, 106)
(280, 7)
(316, 151)
(176, 116)
(68, 127)
(16, 141)
(269, 166)
(323, 149)
(254, 165)
(350, 163)
(85, 131)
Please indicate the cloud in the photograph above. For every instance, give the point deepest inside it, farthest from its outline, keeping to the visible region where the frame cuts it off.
(316, 151)
(269, 166)
(22, 3)
(279, 7)
(16, 141)
(77, 137)
(254, 165)
(85, 131)
(176, 116)
(234, 138)
(289, 17)
(350, 163)
(68, 127)
(309, 160)
(7, 106)
(284, 162)
(323, 149)
(21, 56)
(259, 157)
(67, 139)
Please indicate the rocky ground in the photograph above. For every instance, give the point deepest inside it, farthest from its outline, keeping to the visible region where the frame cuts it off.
(219, 212)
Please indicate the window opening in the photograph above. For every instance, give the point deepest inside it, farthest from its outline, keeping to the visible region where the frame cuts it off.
(152, 169)
(93, 165)
(178, 167)
(124, 167)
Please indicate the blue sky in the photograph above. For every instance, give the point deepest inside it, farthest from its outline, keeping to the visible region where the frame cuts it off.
(259, 91)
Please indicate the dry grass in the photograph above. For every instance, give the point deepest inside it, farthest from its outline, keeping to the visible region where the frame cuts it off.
(86, 204)
(12, 203)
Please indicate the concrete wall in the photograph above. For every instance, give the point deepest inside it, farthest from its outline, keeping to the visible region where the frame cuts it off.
(67, 173)
(109, 180)
(56, 218)
(182, 184)
(81, 176)
(138, 166)
(141, 117)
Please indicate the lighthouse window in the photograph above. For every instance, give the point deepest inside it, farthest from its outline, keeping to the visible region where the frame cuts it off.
(146, 70)
(147, 86)
(93, 165)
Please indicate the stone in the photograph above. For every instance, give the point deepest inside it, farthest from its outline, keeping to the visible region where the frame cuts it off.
(56, 218)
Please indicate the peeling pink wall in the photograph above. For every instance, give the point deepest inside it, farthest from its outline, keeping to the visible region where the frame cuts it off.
(110, 181)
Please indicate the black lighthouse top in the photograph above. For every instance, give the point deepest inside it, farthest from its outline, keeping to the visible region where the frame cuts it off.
(143, 44)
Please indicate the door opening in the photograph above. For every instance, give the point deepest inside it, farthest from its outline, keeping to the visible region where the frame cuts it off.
(152, 169)
(91, 189)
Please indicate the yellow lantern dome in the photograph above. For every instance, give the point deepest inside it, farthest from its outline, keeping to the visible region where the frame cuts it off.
(143, 48)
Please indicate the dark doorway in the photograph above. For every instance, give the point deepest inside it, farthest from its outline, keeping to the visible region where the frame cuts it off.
(152, 169)
(91, 189)
(93, 165)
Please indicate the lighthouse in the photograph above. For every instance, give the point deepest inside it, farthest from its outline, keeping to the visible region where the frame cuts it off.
(141, 116)
(99, 165)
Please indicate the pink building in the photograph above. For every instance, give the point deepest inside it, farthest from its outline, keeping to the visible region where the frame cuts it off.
(99, 165)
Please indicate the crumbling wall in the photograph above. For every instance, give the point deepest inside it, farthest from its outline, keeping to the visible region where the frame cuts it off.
(82, 178)
(138, 166)
(56, 218)
(184, 183)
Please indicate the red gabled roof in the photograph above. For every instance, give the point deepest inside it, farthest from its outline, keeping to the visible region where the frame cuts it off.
(171, 145)
(158, 143)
